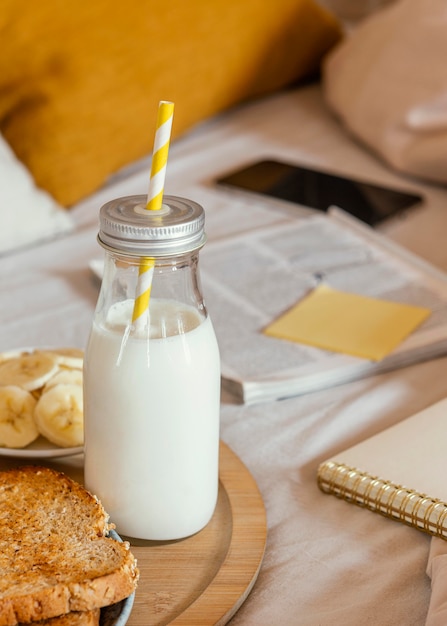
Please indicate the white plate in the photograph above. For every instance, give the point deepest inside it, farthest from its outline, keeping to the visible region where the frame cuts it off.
(40, 449)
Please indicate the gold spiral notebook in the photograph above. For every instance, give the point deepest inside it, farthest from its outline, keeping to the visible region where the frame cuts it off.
(400, 473)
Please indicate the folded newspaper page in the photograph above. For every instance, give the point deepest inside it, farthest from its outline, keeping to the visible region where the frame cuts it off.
(251, 278)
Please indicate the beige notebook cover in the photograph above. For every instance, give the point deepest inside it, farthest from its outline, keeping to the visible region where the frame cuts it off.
(401, 472)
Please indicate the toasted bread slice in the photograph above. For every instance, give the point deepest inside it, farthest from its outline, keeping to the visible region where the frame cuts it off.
(55, 556)
(75, 618)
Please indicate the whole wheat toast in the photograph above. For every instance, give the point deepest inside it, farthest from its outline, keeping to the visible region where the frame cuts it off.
(74, 618)
(55, 557)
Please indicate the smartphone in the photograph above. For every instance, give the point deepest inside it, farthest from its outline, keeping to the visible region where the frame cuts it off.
(320, 190)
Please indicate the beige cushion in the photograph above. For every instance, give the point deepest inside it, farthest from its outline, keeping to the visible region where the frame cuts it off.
(388, 84)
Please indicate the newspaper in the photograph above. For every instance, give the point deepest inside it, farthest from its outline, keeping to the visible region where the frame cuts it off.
(251, 278)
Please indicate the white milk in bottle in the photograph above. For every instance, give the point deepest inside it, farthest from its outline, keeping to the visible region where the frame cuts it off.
(152, 390)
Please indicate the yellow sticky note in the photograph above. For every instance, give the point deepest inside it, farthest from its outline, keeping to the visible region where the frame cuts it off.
(344, 322)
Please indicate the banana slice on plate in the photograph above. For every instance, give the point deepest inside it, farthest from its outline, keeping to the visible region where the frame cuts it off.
(17, 425)
(28, 371)
(11, 354)
(67, 357)
(59, 415)
(48, 383)
(64, 377)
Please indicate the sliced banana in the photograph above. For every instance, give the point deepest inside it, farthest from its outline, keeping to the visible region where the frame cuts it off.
(59, 415)
(68, 357)
(64, 377)
(10, 354)
(52, 383)
(28, 371)
(17, 426)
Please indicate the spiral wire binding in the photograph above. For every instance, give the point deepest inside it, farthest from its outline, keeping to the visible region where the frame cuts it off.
(381, 496)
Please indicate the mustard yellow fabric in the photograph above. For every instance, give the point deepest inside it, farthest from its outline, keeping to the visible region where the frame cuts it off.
(80, 82)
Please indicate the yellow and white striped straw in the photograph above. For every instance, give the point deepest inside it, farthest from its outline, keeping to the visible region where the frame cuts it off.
(154, 203)
(160, 155)
(143, 293)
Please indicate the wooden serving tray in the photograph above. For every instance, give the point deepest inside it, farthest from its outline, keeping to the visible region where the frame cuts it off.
(205, 578)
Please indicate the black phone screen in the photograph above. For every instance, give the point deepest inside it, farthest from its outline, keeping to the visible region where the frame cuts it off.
(320, 190)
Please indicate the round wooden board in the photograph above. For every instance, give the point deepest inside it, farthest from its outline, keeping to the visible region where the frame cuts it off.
(205, 578)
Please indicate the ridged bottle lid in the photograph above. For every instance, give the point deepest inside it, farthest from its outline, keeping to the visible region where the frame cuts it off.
(125, 225)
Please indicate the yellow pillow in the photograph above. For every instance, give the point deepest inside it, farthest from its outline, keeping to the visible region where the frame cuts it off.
(80, 82)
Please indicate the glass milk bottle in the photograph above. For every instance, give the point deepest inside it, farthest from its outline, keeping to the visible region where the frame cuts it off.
(152, 386)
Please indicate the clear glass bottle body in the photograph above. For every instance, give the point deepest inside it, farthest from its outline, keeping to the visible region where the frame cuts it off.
(152, 400)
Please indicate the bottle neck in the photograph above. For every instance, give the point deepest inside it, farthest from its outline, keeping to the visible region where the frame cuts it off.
(174, 293)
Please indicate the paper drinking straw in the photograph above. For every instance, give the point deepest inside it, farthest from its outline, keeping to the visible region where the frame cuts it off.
(143, 293)
(160, 155)
(154, 203)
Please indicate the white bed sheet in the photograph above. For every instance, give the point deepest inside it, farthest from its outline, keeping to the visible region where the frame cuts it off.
(327, 562)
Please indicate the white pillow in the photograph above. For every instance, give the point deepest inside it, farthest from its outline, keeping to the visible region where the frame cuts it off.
(27, 213)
